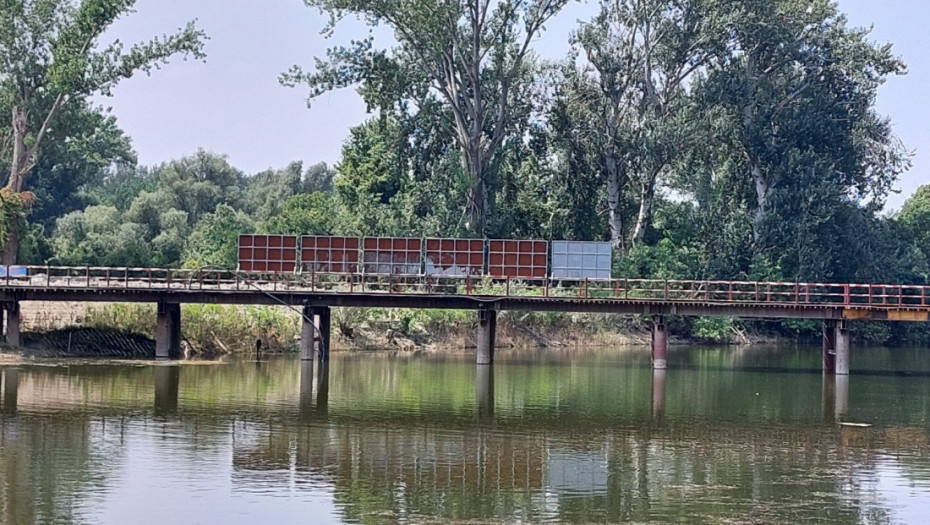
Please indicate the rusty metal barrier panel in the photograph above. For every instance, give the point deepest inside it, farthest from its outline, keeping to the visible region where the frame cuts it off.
(581, 260)
(454, 257)
(267, 253)
(392, 255)
(513, 259)
(328, 254)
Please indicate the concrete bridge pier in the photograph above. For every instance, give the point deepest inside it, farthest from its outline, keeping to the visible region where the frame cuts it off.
(836, 347)
(315, 333)
(13, 319)
(659, 343)
(168, 331)
(487, 330)
(167, 386)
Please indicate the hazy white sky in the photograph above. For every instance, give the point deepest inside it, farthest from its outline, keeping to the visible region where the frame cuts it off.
(234, 105)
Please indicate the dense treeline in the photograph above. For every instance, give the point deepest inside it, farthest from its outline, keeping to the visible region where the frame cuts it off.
(707, 139)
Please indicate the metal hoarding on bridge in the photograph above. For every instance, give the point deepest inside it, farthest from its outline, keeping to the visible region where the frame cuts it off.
(454, 257)
(392, 255)
(267, 253)
(513, 259)
(581, 260)
(327, 254)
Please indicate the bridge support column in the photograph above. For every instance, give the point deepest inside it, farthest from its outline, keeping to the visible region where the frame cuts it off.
(829, 347)
(13, 319)
(487, 330)
(659, 343)
(842, 349)
(315, 333)
(168, 331)
(836, 347)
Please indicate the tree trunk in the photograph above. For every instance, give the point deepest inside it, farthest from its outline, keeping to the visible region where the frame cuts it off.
(763, 190)
(477, 208)
(614, 190)
(647, 197)
(19, 165)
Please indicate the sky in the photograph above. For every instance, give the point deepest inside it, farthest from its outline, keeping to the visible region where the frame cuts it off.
(232, 103)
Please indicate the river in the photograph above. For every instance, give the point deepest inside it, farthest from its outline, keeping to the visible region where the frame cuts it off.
(746, 435)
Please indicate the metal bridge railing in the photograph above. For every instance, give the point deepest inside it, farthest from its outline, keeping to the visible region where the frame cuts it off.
(652, 290)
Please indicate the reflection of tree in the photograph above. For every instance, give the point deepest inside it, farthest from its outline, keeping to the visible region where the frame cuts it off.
(405, 440)
(49, 466)
(423, 467)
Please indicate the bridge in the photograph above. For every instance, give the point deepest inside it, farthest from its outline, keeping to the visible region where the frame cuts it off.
(314, 294)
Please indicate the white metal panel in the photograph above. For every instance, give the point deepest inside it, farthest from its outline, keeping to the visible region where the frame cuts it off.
(581, 260)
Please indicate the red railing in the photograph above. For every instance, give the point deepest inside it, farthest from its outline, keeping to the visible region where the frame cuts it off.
(651, 290)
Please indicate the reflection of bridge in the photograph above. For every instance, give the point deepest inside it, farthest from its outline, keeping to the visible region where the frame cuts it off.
(315, 389)
(317, 293)
(424, 463)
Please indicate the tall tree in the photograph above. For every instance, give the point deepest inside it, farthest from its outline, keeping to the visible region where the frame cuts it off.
(469, 55)
(794, 95)
(640, 57)
(50, 59)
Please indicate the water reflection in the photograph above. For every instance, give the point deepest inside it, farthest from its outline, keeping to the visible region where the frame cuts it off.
(10, 379)
(167, 385)
(658, 393)
(484, 389)
(574, 437)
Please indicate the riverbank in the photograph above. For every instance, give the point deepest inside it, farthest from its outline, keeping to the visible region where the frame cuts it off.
(127, 330)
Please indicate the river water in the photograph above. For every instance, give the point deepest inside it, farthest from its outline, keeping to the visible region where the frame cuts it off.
(585, 436)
